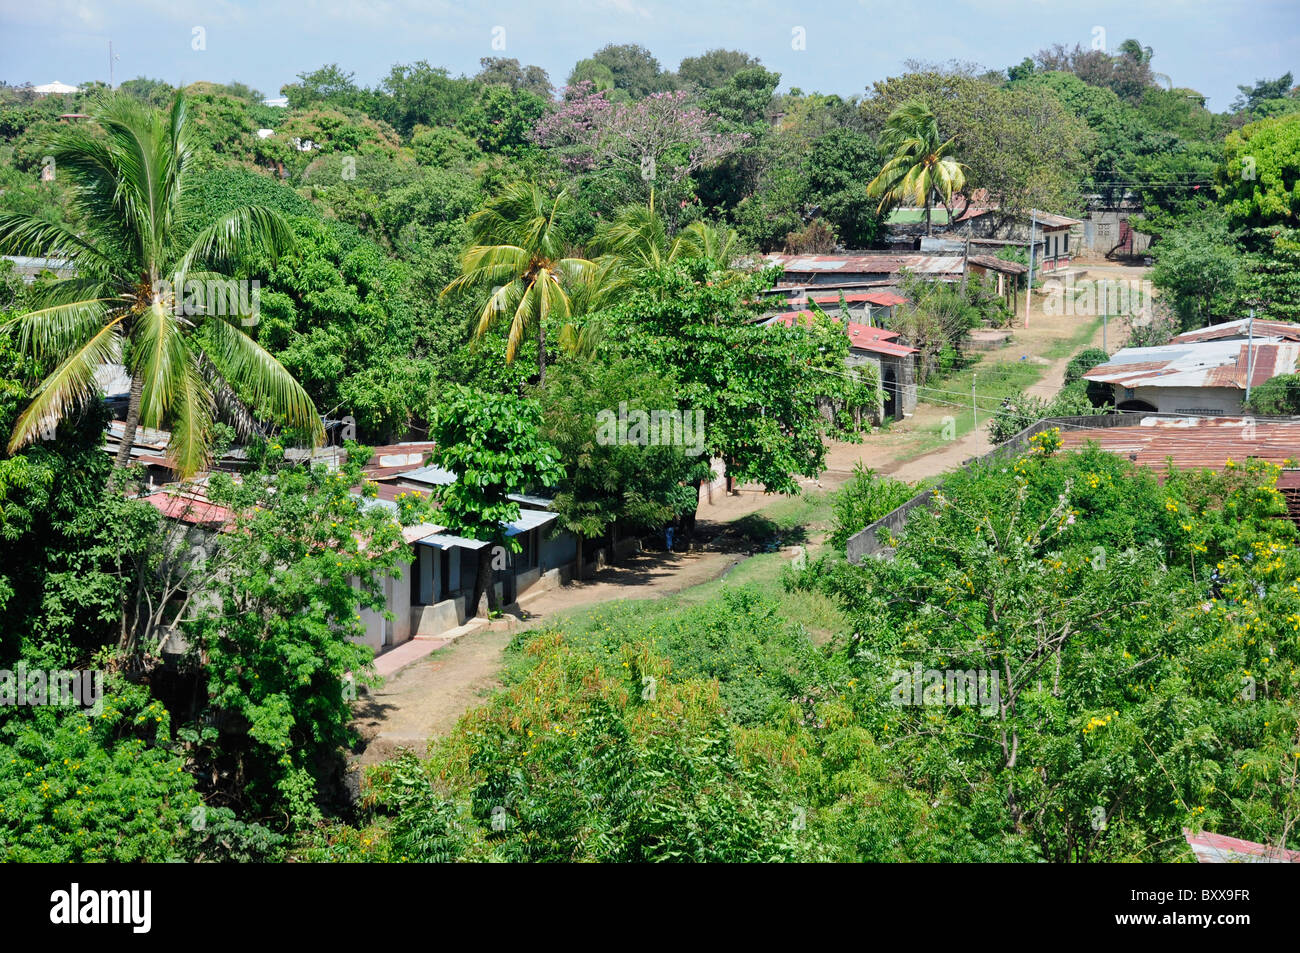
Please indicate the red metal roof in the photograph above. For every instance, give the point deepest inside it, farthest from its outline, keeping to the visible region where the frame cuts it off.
(1220, 849)
(1194, 443)
(862, 337)
(188, 508)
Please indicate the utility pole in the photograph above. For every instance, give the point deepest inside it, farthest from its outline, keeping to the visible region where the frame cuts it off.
(111, 57)
(974, 408)
(1103, 329)
(1250, 351)
(1029, 288)
(965, 266)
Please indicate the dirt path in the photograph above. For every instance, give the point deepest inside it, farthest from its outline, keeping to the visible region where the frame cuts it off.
(425, 699)
(882, 451)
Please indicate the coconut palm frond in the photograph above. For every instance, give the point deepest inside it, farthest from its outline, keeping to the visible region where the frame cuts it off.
(256, 373)
(70, 385)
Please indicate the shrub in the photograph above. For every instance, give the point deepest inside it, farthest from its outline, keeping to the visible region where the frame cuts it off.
(76, 787)
(863, 500)
(1020, 410)
(1279, 396)
(1083, 362)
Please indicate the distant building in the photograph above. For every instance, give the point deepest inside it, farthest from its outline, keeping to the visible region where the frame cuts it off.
(987, 226)
(54, 89)
(1206, 378)
(1110, 227)
(861, 269)
(894, 361)
(30, 268)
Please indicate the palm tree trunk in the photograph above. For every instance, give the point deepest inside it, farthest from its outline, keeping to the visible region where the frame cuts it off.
(128, 431)
(927, 215)
(541, 353)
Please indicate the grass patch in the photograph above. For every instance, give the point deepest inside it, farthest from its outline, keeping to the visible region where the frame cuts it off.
(994, 379)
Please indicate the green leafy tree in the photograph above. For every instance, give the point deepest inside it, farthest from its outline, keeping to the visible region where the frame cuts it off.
(713, 69)
(638, 487)
(279, 626)
(632, 69)
(1198, 270)
(758, 387)
(493, 444)
(1259, 182)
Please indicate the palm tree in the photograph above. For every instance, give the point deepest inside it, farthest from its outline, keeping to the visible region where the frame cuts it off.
(639, 241)
(921, 166)
(518, 250)
(120, 305)
(1142, 56)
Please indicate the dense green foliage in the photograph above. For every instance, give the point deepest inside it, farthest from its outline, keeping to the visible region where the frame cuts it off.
(1147, 680)
(503, 267)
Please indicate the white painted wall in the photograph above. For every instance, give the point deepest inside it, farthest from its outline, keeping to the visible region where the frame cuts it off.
(1216, 401)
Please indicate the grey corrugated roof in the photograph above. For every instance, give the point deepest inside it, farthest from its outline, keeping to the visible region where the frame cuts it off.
(431, 475)
(529, 519)
(447, 541)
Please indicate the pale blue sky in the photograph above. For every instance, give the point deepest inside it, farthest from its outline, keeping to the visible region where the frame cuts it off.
(1209, 45)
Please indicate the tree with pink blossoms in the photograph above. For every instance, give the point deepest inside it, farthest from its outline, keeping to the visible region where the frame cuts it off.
(654, 143)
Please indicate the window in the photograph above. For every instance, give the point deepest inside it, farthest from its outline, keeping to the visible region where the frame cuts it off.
(1067, 243)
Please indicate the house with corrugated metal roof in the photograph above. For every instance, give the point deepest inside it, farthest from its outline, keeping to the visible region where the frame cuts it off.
(989, 226)
(1199, 378)
(862, 269)
(434, 592)
(881, 348)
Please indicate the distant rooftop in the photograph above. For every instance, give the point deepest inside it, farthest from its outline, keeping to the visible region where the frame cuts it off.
(1204, 364)
(1241, 329)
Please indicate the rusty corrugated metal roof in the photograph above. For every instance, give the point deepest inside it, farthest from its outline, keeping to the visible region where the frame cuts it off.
(1261, 331)
(884, 299)
(1194, 443)
(993, 263)
(868, 264)
(1203, 364)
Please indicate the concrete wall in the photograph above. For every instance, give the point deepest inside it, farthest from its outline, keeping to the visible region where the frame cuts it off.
(1211, 401)
(1100, 231)
(558, 550)
(381, 633)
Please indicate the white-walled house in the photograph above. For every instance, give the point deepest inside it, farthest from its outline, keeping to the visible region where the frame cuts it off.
(1206, 378)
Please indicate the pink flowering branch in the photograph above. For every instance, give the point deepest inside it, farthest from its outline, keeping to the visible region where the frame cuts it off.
(589, 129)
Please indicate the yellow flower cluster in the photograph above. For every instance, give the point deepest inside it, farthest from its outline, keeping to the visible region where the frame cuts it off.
(1095, 723)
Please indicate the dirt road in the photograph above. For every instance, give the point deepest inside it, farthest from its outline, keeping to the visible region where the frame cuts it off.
(426, 698)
